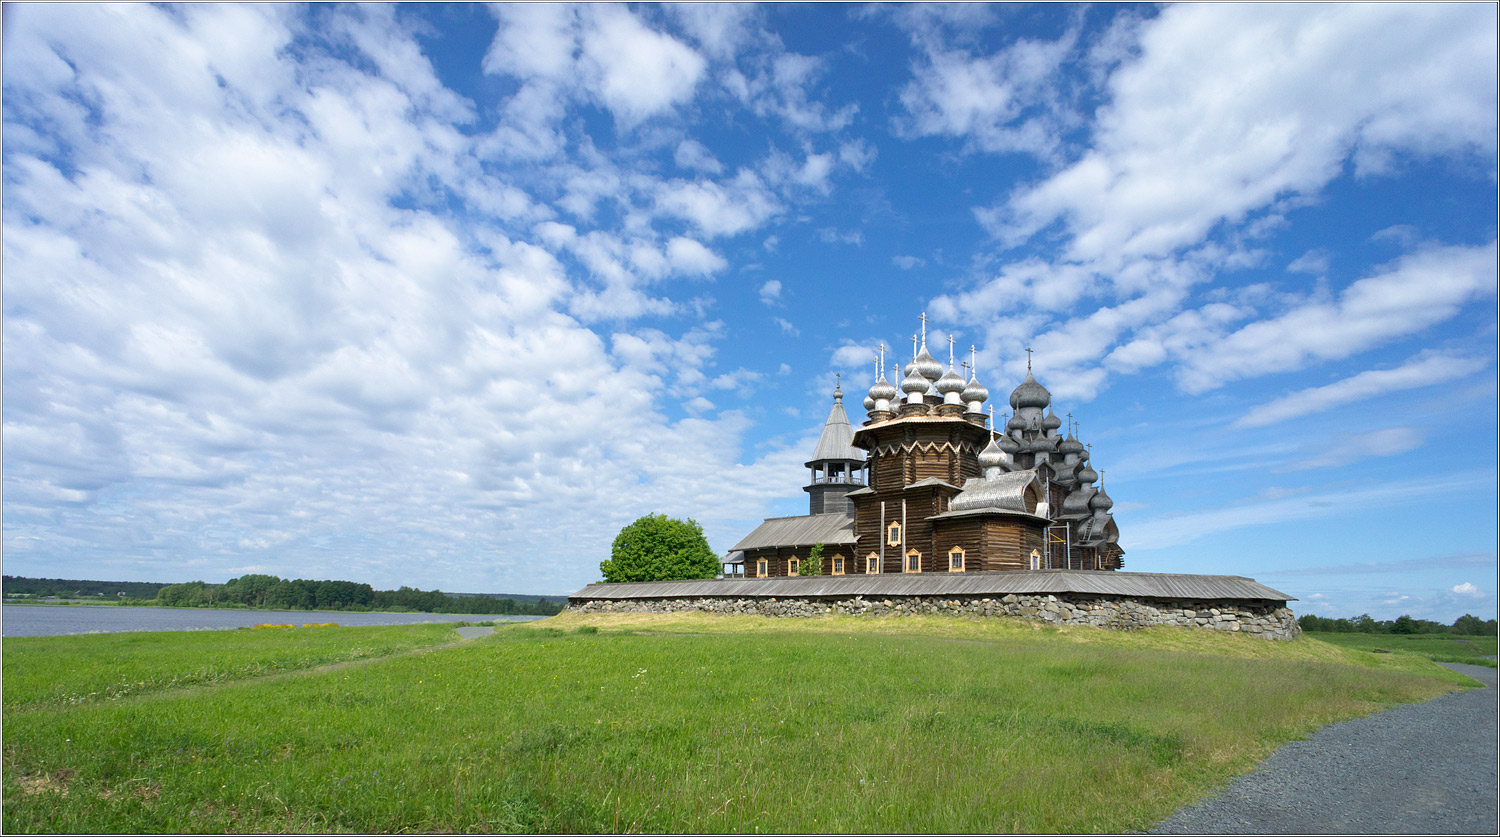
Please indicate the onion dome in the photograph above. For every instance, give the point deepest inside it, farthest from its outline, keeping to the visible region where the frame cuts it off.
(869, 403)
(1071, 445)
(974, 393)
(1008, 444)
(1051, 422)
(1087, 474)
(914, 383)
(882, 390)
(1100, 502)
(1030, 394)
(1016, 423)
(950, 383)
(1030, 419)
(993, 456)
(927, 365)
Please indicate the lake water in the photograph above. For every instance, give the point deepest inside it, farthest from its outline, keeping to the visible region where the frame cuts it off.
(52, 620)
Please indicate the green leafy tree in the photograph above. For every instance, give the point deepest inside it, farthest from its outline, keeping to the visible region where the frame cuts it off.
(660, 548)
(1472, 625)
(814, 563)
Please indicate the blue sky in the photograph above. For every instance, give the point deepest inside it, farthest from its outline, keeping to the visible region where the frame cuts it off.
(444, 295)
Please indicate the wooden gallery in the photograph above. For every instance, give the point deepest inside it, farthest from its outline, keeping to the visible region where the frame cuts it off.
(925, 508)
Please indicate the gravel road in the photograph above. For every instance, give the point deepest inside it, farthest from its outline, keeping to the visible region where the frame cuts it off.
(1423, 768)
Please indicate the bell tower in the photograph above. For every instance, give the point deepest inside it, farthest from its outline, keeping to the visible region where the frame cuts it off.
(837, 466)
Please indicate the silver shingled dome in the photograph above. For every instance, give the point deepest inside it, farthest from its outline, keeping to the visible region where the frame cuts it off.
(1030, 394)
(950, 382)
(927, 365)
(993, 456)
(914, 382)
(1101, 502)
(975, 391)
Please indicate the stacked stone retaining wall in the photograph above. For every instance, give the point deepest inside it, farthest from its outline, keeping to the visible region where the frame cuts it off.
(1268, 620)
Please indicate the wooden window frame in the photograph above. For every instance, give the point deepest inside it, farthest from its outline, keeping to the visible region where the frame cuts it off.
(1036, 559)
(872, 564)
(907, 563)
(793, 564)
(962, 557)
(762, 568)
(838, 565)
(893, 533)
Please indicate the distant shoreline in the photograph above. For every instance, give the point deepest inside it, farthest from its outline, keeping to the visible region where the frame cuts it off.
(83, 603)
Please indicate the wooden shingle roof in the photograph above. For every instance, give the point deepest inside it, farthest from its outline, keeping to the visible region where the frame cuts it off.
(803, 530)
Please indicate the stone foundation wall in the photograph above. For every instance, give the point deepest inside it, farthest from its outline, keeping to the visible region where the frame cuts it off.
(1268, 620)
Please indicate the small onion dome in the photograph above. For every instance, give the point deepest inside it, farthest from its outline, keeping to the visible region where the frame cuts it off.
(950, 382)
(1087, 474)
(992, 456)
(1030, 394)
(974, 392)
(928, 366)
(1016, 423)
(1101, 502)
(869, 403)
(1071, 445)
(914, 383)
(1008, 444)
(882, 390)
(1051, 422)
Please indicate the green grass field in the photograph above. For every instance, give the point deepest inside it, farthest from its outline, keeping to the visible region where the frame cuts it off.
(684, 723)
(1443, 648)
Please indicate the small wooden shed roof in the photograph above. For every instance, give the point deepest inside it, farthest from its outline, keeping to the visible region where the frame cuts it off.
(981, 584)
(803, 530)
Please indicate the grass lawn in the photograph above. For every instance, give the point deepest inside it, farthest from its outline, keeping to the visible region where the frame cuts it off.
(685, 723)
(1443, 648)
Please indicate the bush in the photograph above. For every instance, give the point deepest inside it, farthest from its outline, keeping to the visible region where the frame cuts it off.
(660, 548)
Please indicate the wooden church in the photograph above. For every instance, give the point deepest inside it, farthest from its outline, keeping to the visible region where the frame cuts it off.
(926, 485)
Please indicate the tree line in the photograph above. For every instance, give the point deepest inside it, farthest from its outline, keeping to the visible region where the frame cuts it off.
(68, 588)
(269, 591)
(1466, 625)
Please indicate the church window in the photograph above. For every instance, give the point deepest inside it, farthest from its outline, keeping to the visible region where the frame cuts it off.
(872, 564)
(955, 560)
(762, 568)
(914, 561)
(893, 534)
(792, 565)
(838, 566)
(1036, 560)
